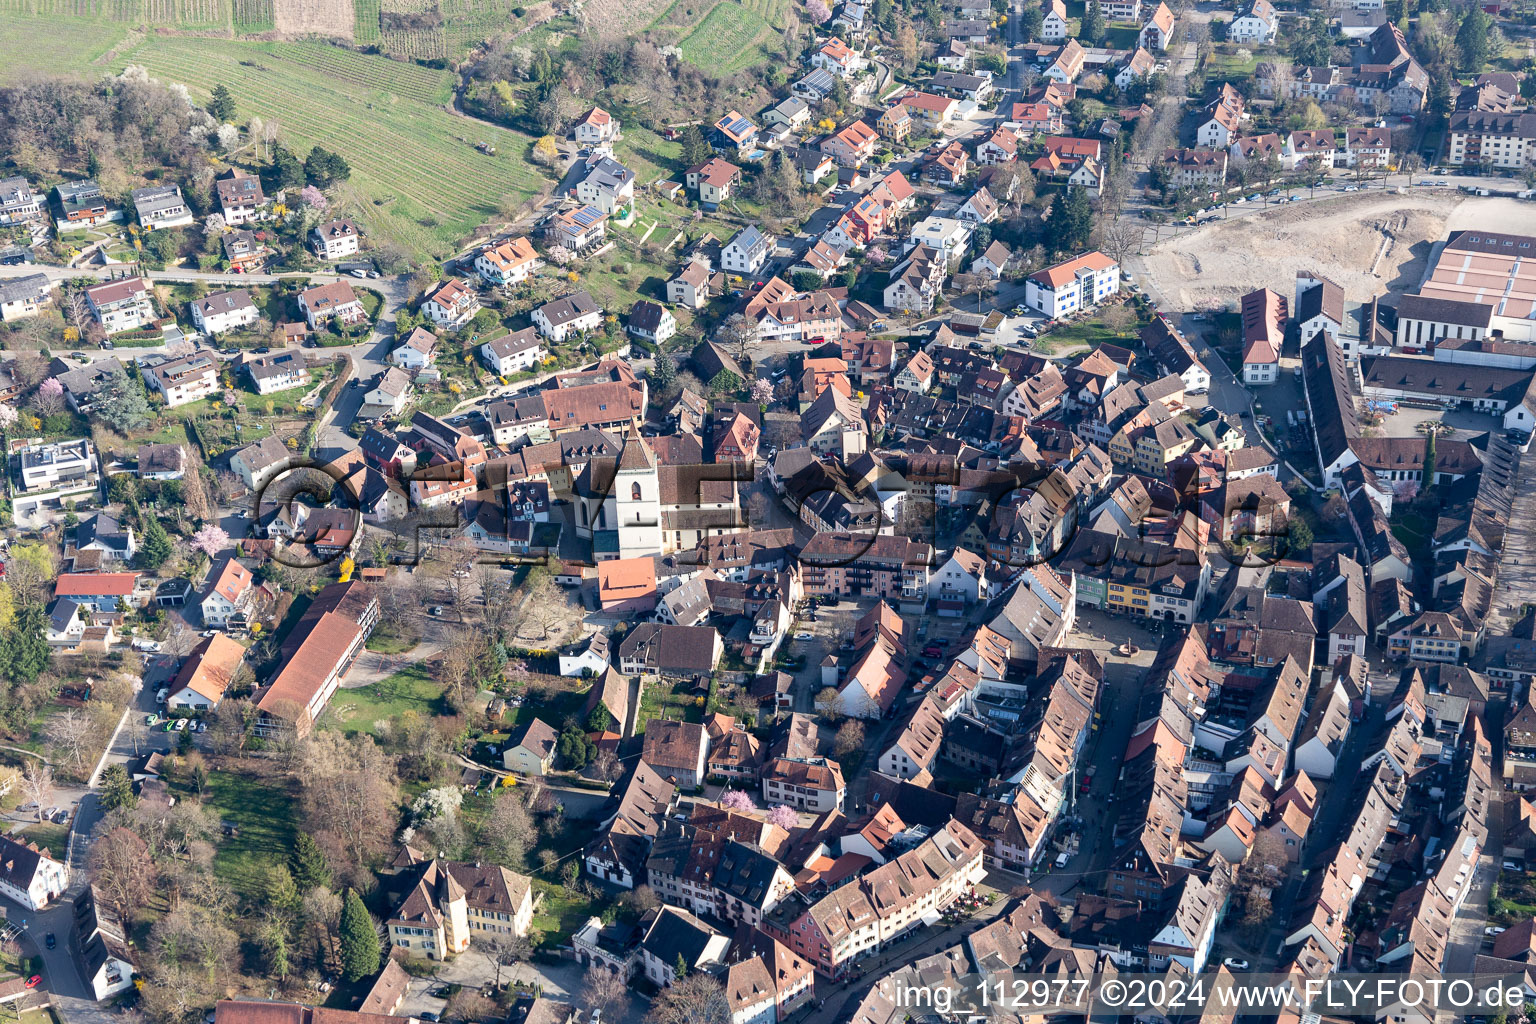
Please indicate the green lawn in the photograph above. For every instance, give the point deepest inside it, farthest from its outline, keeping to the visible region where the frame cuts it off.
(383, 641)
(51, 837)
(560, 914)
(410, 689)
(663, 700)
(1121, 37)
(262, 811)
(563, 705)
(27, 49)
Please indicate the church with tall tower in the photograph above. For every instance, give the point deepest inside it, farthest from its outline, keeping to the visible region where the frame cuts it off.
(634, 506)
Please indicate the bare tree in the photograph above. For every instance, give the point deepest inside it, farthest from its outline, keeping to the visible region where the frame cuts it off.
(605, 990)
(37, 784)
(850, 737)
(829, 704)
(696, 999)
(123, 872)
(607, 765)
(69, 732)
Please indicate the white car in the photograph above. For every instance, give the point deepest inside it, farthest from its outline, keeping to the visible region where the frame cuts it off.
(1235, 964)
(804, 636)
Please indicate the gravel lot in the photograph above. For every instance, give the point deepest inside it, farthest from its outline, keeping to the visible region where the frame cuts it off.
(1342, 238)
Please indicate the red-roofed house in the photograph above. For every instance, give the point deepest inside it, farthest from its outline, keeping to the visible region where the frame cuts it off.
(853, 146)
(229, 597)
(100, 590)
(1264, 316)
(453, 305)
(1073, 285)
(627, 586)
(597, 126)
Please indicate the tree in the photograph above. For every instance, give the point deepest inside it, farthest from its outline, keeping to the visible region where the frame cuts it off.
(604, 990)
(37, 784)
(663, 374)
(1030, 23)
(221, 104)
(359, 939)
(1298, 534)
(155, 546)
(762, 390)
(116, 788)
(1117, 319)
(725, 383)
(850, 737)
(126, 408)
(1472, 39)
(49, 398)
(828, 703)
(906, 45)
(818, 11)
(210, 540)
(308, 865)
(738, 800)
(123, 871)
(783, 816)
(508, 830)
(695, 147)
(1072, 219)
(24, 648)
(1092, 29)
(695, 999)
(286, 172)
(322, 168)
(546, 151)
(69, 733)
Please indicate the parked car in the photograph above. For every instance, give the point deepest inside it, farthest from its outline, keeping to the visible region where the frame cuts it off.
(50, 941)
(1235, 964)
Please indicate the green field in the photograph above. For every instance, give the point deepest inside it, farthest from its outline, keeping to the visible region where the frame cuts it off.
(262, 811)
(729, 39)
(410, 689)
(25, 51)
(417, 178)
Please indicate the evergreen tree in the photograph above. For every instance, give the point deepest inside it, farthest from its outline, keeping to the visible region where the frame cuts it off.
(155, 548)
(127, 408)
(222, 105)
(680, 968)
(663, 374)
(308, 864)
(1072, 219)
(725, 383)
(24, 646)
(286, 172)
(1092, 31)
(324, 168)
(359, 939)
(1030, 23)
(1472, 39)
(695, 147)
(116, 788)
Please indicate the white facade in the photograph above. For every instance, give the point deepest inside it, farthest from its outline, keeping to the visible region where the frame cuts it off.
(1071, 289)
(32, 879)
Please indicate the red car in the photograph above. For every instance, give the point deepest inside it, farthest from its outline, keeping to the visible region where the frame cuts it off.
(34, 981)
(932, 651)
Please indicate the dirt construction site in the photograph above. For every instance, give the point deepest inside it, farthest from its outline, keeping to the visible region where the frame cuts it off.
(1368, 243)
